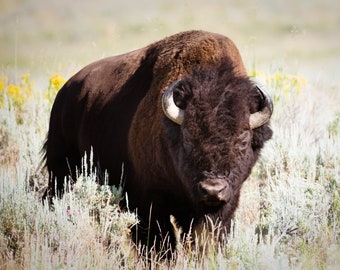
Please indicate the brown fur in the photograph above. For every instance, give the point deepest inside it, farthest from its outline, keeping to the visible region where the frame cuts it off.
(114, 106)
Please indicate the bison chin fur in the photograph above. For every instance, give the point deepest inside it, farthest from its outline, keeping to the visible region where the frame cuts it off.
(166, 235)
(204, 236)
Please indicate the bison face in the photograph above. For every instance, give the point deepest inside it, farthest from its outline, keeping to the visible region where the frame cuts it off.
(215, 127)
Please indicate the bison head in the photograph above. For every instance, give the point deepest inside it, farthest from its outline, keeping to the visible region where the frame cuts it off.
(216, 123)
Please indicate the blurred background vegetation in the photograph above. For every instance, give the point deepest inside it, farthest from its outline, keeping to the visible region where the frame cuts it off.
(290, 207)
(43, 37)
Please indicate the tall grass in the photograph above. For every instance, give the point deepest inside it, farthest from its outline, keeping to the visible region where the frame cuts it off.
(288, 215)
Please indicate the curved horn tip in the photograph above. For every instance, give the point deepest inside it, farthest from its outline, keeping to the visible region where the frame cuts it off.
(170, 109)
(261, 117)
(267, 99)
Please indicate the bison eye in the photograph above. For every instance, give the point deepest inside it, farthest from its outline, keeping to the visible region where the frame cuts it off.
(244, 145)
(244, 140)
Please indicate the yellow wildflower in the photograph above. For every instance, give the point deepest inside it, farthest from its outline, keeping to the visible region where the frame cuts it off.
(256, 73)
(14, 93)
(13, 90)
(56, 82)
(25, 77)
(26, 86)
(3, 82)
(283, 84)
(300, 82)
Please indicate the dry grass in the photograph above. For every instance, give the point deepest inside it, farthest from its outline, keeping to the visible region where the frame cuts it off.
(289, 215)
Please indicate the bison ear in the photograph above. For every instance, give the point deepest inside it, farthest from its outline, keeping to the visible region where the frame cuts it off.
(182, 94)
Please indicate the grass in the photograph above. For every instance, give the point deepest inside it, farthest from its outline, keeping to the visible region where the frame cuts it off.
(289, 214)
(288, 217)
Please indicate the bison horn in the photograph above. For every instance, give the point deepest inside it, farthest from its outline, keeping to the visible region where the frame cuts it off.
(261, 117)
(170, 109)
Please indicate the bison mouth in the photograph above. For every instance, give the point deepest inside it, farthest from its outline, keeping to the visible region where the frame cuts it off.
(211, 207)
(212, 203)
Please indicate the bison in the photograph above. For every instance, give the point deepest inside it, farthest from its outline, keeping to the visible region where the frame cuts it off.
(179, 121)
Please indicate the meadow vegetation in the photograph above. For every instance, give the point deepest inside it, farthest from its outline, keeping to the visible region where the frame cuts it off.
(288, 216)
(289, 213)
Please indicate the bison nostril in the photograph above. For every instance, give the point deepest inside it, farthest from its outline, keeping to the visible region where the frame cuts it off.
(202, 189)
(213, 191)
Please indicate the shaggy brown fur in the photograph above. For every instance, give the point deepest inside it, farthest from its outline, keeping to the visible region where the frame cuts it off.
(114, 106)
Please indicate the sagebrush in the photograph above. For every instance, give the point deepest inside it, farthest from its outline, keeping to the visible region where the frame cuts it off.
(288, 217)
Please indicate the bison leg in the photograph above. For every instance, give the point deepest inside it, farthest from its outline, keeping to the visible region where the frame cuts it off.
(60, 164)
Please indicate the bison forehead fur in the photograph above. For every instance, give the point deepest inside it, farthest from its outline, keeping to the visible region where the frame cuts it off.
(189, 168)
(215, 138)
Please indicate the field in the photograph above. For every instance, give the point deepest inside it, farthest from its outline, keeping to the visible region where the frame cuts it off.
(289, 216)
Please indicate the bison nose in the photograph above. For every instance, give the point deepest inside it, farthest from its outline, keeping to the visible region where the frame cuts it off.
(214, 192)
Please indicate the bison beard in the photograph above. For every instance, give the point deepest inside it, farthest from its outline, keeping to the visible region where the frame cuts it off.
(180, 114)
